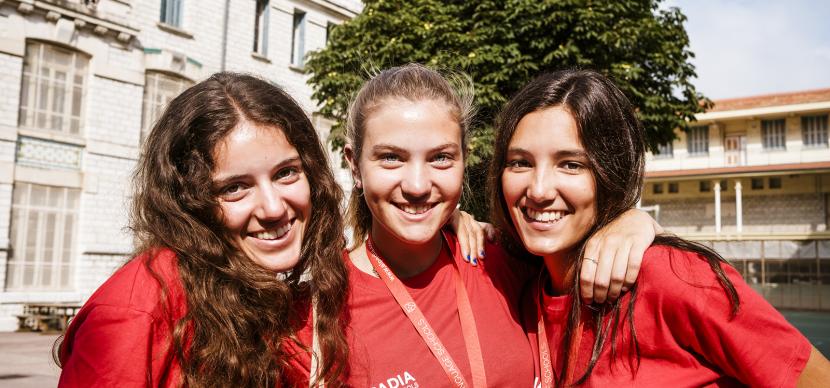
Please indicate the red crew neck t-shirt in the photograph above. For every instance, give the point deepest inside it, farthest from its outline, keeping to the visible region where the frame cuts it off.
(386, 349)
(686, 335)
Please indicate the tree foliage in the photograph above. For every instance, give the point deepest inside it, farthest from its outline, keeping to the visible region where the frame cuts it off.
(503, 44)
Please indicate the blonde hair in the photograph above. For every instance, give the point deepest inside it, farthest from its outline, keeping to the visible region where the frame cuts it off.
(413, 82)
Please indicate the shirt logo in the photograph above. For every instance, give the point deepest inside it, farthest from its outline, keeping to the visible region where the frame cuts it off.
(409, 307)
(404, 380)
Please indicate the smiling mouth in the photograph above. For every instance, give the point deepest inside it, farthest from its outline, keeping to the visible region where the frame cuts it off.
(415, 208)
(547, 216)
(274, 234)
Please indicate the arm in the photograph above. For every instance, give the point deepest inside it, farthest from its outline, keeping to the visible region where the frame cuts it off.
(110, 346)
(618, 249)
(817, 371)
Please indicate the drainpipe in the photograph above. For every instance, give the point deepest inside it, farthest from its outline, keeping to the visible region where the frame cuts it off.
(225, 35)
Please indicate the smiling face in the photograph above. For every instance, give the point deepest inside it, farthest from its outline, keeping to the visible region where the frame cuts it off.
(411, 169)
(263, 194)
(547, 183)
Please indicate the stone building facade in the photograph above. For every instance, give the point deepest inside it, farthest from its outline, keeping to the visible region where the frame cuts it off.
(751, 177)
(80, 83)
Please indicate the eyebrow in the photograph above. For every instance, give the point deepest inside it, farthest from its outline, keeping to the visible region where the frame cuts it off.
(389, 147)
(572, 153)
(230, 178)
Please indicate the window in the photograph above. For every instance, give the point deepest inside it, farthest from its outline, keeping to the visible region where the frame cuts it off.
(698, 140)
(159, 89)
(757, 183)
(658, 188)
(705, 186)
(724, 186)
(674, 187)
(664, 150)
(42, 237)
(773, 134)
(298, 39)
(814, 131)
(51, 96)
(775, 183)
(171, 12)
(261, 28)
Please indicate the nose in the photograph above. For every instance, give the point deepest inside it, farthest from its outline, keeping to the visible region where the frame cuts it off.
(543, 186)
(416, 181)
(271, 205)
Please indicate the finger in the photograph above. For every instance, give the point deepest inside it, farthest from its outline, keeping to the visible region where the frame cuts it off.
(635, 262)
(461, 233)
(588, 272)
(479, 232)
(602, 278)
(618, 271)
(472, 240)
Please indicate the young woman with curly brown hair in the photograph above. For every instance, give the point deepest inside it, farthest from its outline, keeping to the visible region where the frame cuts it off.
(237, 220)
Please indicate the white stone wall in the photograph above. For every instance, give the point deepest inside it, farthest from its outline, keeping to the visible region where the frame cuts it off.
(11, 69)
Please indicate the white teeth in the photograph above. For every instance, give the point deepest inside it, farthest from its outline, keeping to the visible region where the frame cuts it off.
(415, 209)
(544, 216)
(275, 233)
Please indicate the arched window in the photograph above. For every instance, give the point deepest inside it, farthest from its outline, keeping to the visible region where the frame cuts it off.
(159, 89)
(52, 93)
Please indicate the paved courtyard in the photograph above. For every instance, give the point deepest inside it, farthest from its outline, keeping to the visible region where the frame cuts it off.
(26, 361)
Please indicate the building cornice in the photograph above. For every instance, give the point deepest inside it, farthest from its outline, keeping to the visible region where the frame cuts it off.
(739, 171)
(779, 110)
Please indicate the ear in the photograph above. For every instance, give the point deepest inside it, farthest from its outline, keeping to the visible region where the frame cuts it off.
(348, 152)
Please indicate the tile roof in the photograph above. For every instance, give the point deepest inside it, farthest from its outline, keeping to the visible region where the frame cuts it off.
(778, 99)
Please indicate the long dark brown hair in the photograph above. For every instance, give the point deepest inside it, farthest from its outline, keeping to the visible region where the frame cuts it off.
(239, 314)
(413, 82)
(613, 139)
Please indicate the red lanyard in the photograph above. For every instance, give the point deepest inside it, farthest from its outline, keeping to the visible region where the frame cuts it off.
(430, 337)
(544, 348)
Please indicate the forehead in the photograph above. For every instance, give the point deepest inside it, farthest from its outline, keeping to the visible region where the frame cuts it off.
(553, 127)
(250, 142)
(412, 124)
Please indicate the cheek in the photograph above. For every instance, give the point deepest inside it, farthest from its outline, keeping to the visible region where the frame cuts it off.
(512, 188)
(298, 196)
(234, 215)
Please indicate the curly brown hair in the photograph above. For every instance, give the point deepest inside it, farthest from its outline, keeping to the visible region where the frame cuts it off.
(239, 314)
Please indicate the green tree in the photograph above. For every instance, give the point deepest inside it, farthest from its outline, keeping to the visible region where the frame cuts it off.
(504, 44)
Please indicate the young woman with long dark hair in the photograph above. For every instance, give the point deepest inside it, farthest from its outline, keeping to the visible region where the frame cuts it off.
(568, 159)
(418, 315)
(236, 216)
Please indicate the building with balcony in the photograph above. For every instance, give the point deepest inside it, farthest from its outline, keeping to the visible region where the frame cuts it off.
(751, 178)
(81, 81)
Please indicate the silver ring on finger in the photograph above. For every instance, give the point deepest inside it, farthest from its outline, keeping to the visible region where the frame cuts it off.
(595, 261)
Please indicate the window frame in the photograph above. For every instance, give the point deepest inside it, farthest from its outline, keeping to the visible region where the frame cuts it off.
(30, 110)
(154, 77)
(774, 134)
(171, 12)
(298, 28)
(262, 16)
(814, 132)
(61, 266)
(697, 140)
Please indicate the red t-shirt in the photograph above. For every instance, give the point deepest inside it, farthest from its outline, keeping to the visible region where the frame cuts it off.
(121, 337)
(684, 330)
(387, 351)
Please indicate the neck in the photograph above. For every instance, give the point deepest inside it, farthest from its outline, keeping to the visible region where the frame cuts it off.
(404, 259)
(561, 270)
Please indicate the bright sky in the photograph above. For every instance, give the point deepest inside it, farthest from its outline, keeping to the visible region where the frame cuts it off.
(745, 48)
